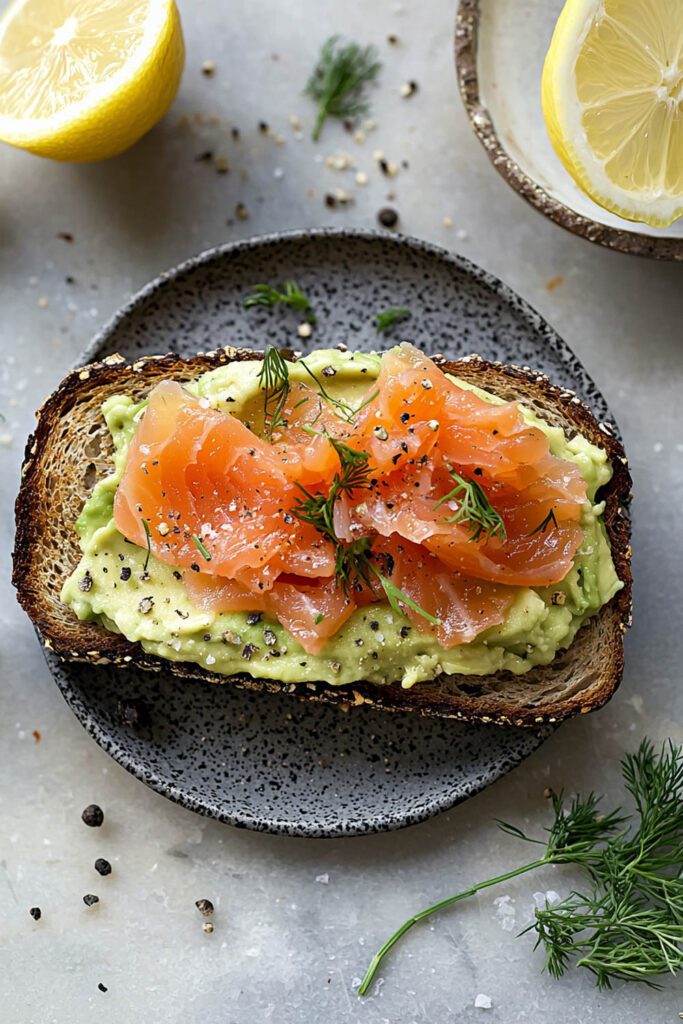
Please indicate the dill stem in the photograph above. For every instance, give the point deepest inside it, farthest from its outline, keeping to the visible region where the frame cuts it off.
(441, 905)
(319, 121)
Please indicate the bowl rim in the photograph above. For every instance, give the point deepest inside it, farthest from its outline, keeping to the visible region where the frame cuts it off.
(467, 23)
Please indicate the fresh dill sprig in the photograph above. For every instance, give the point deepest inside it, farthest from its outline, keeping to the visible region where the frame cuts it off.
(627, 924)
(200, 547)
(474, 509)
(353, 474)
(353, 565)
(274, 379)
(396, 597)
(345, 410)
(386, 320)
(550, 520)
(289, 294)
(148, 538)
(339, 80)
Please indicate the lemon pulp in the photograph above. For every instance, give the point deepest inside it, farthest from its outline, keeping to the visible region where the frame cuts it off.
(84, 79)
(613, 103)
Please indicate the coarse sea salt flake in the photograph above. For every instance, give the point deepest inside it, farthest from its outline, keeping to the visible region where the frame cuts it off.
(483, 1002)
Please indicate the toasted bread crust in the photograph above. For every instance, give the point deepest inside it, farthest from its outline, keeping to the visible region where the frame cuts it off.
(70, 448)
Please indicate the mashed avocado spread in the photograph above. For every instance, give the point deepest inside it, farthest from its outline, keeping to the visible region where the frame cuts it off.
(372, 644)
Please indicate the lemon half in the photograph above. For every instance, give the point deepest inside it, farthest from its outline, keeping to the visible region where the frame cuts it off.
(613, 104)
(83, 80)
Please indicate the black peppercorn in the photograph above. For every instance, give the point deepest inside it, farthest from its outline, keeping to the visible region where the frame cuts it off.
(101, 987)
(387, 217)
(36, 913)
(102, 866)
(205, 907)
(93, 816)
(133, 712)
(90, 900)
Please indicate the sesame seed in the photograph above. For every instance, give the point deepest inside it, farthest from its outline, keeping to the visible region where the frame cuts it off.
(304, 330)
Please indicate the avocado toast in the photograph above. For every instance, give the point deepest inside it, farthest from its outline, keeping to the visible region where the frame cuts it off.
(500, 678)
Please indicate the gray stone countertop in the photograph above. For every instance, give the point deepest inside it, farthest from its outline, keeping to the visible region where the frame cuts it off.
(296, 920)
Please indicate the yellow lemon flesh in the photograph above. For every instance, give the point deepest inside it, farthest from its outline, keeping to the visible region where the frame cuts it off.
(613, 104)
(83, 80)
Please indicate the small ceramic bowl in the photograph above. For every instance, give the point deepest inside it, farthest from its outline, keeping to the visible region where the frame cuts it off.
(500, 48)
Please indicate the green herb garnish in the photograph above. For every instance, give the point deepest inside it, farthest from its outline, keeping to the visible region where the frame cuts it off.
(394, 595)
(200, 547)
(148, 537)
(274, 379)
(386, 320)
(474, 509)
(339, 80)
(289, 294)
(353, 562)
(345, 410)
(353, 474)
(550, 520)
(627, 923)
(319, 618)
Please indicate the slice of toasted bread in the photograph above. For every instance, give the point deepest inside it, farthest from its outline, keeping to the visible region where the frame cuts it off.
(71, 449)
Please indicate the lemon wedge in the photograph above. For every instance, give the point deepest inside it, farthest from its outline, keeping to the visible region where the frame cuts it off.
(613, 104)
(83, 80)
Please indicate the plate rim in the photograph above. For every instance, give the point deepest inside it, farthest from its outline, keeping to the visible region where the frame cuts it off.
(633, 243)
(346, 829)
(109, 742)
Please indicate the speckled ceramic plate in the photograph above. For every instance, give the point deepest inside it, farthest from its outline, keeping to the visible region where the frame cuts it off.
(269, 762)
(500, 50)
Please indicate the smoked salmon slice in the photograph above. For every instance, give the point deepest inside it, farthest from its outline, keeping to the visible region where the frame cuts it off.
(457, 502)
(196, 475)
